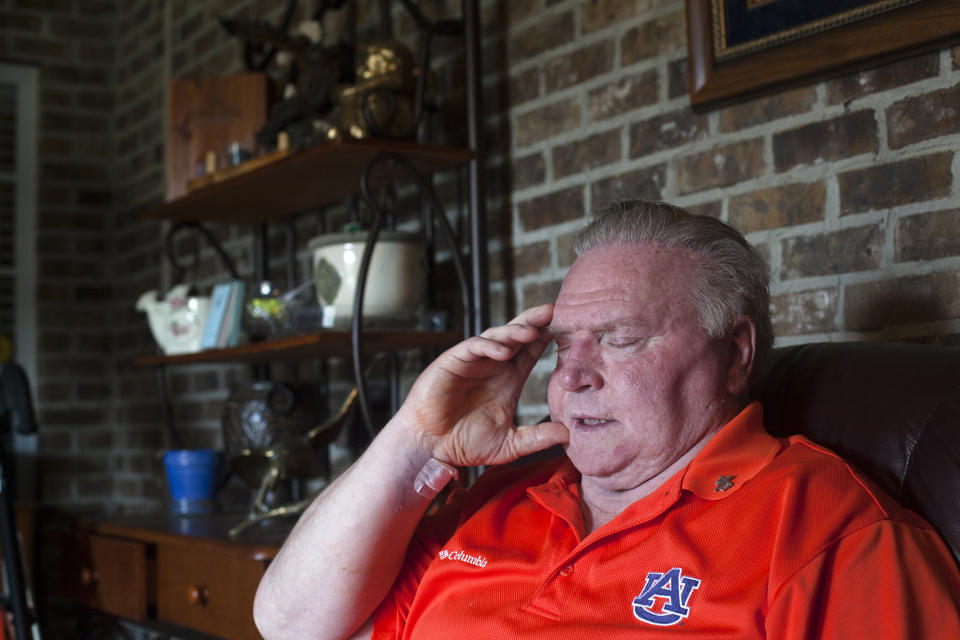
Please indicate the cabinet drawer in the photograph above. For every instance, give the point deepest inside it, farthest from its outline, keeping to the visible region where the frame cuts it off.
(109, 574)
(207, 591)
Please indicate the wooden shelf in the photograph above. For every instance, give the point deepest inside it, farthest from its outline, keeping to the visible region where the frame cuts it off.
(323, 174)
(312, 345)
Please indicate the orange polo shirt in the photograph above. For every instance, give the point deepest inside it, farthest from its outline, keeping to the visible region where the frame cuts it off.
(796, 545)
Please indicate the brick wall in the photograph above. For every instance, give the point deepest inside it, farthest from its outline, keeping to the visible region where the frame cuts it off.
(72, 44)
(847, 186)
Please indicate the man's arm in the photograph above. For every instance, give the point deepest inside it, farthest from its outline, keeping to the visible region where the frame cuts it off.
(345, 551)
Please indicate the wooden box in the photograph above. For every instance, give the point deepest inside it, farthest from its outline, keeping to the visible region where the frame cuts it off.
(208, 114)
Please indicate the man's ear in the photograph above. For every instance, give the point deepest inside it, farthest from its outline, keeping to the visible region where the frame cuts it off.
(743, 342)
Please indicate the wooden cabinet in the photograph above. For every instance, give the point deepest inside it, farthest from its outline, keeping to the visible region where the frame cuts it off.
(184, 571)
(209, 592)
(105, 573)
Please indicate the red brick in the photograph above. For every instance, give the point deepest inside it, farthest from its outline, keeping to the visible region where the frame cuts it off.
(97, 439)
(535, 389)
(901, 301)
(525, 86)
(586, 153)
(20, 22)
(502, 309)
(105, 8)
(666, 131)
(646, 183)
(805, 312)
(48, 392)
(74, 123)
(678, 78)
(776, 207)
(767, 109)
(842, 137)
(93, 390)
(61, 6)
(578, 66)
(546, 34)
(713, 209)
(55, 97)
(538, 293)
(70, 74)
(528, 171)
(56, 145)
(854, 249)
(54, 440)
(99, 487)
(526, 260)
(97, 198)
(43, 47)
(554, 208)
(599, 14)
(927, 236)
(897, 183)
(95, 100)
(545, 122)
(531, 259)
(625, 94)
(720, 167)
(78, 416)
(565, 252)
(73, 28)
(497, 15)
(923, 117)
(857, 85)
(74, 171)
(658, 37)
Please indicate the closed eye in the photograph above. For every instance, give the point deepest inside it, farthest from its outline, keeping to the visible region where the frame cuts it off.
(622, 343)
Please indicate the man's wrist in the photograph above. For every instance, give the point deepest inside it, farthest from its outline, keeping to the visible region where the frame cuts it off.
(433, 477)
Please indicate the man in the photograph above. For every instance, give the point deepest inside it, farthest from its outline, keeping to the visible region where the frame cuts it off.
(672, 511)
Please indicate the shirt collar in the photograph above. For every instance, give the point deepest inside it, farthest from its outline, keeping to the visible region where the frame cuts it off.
(738, 451)
(732, 457)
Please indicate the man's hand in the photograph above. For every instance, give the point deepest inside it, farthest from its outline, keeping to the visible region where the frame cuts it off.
(462, 406)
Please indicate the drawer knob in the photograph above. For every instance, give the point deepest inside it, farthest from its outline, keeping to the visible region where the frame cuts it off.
(88, 576)
(198, 595)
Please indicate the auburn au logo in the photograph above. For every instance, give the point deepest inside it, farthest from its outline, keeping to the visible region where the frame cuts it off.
(664, 598)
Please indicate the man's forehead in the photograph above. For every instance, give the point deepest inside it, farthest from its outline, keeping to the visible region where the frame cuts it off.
(598, 315)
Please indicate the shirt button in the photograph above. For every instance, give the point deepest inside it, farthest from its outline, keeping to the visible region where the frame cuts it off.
(567, 570)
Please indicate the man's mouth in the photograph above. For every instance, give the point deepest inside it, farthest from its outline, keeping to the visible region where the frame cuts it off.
(592, 422)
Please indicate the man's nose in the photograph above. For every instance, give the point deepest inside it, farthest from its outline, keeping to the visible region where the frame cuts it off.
(578, 369)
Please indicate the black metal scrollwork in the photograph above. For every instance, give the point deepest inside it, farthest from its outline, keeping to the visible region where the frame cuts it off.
(202, 230)
(376, 206)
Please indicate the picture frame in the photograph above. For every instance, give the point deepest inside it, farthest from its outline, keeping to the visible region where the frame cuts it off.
(874, 38)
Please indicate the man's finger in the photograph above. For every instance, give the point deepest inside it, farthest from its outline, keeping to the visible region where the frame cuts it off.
(529, 354)
(536, 437)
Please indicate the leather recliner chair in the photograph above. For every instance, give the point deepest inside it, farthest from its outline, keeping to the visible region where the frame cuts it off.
(891, 409)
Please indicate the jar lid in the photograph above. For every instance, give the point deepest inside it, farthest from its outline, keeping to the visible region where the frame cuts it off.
(361, 236)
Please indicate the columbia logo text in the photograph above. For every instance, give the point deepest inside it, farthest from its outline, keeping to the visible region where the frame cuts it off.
(463, 556)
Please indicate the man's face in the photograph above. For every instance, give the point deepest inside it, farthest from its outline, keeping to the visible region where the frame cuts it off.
(638, 381)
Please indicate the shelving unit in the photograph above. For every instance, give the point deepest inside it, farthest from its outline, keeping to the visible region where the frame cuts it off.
(330, 172)
(323, 174)
(321, 344)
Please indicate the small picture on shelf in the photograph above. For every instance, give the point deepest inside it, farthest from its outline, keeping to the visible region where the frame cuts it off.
(222, 328)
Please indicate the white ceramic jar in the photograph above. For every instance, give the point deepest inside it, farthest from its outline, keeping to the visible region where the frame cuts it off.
(396, 279)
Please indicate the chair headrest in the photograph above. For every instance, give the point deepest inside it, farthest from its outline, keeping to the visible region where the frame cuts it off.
(893, 410)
